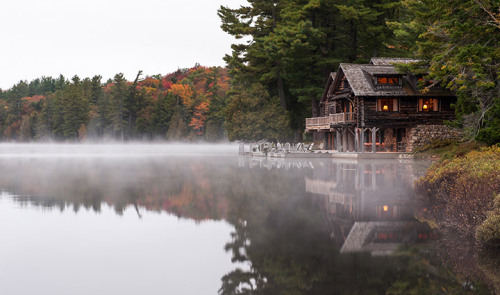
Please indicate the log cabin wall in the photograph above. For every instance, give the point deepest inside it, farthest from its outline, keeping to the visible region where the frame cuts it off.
(408, 114)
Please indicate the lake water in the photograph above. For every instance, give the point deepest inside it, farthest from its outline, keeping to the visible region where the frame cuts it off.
(199, 219)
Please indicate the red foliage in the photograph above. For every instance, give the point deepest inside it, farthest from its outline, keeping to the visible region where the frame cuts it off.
(166, 84)
(199, 117)
(33, 99)
(108, 88)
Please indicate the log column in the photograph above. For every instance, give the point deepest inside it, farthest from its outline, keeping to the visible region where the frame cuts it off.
(374, 138)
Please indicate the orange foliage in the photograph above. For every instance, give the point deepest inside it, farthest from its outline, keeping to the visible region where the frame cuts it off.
(185, 92)
(199, 117)
(150, 82)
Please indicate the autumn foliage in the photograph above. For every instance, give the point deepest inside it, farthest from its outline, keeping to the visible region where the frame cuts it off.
(458, 193)
(176, 106)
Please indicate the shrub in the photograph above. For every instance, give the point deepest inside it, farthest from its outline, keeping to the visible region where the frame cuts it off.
(458, 193)
(489, 231)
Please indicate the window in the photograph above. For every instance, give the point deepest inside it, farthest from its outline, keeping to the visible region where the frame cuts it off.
(387, 236)
(388, 105)
(428, 105)
(388, 80)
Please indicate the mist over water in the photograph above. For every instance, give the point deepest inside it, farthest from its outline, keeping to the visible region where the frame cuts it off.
(114, 150)
(193, 219)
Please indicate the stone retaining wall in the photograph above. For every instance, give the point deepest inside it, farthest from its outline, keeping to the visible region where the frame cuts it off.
(423, 135)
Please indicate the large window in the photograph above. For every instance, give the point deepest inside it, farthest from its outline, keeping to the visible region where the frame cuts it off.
(388, 105)
(428, 105)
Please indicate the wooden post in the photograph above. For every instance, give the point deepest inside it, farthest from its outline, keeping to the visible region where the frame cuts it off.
(374, 139)
(362, 139)
(344, 139)
(338, 141)
(356, 140)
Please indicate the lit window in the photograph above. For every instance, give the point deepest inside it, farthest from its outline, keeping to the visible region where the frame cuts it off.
(387, 236)
(387, 80)
(428, 105)
(388, 105)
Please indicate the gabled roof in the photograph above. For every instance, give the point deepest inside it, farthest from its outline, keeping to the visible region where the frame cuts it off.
(379, 61)
(360, 80)
(381, 70)
(361, 238)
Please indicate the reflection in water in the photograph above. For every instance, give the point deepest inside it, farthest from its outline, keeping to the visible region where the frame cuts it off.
(329, 229)
(299, 226)
(159, 179)
(369, 205)
(59, 253)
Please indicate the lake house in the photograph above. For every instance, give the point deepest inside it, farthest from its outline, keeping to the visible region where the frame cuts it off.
(373, 107)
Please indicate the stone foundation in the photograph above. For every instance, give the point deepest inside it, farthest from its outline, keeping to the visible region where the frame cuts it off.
(423, 135)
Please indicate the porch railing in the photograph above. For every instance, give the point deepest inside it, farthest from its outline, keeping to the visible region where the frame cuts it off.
(317, 123)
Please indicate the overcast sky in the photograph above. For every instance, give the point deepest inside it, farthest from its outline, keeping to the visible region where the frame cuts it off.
(106, 37)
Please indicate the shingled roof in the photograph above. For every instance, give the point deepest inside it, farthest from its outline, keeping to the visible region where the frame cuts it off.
(387, 61)
(361, 79)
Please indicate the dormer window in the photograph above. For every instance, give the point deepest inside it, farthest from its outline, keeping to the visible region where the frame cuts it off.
(387, 80)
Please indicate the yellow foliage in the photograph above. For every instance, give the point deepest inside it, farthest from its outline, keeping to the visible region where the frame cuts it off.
(185, 92)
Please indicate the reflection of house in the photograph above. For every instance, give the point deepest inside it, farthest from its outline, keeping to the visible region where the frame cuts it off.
(368, 204)
(375, 107)
(384, 237)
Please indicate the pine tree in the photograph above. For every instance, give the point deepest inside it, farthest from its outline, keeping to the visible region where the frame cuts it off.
(118, 111)
(460, 41)
(293, 45)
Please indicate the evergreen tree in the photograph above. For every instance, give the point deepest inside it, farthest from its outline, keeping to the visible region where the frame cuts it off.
(253, 115)
(294, 44)
(118, 110)
(75, 108)
(460, 41)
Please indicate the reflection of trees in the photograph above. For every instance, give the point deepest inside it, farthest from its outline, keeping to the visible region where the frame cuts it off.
(193, 188)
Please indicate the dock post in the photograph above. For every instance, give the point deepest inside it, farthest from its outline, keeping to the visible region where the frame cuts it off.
(374, 139)
(338, 145)
(344, 140)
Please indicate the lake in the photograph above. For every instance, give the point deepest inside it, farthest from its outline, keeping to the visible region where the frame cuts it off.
(199, 219)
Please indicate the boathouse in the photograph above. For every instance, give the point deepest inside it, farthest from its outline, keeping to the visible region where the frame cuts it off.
(373, 107)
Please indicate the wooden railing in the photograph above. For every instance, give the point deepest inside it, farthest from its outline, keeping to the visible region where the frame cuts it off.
(318, 123)
(326, 122)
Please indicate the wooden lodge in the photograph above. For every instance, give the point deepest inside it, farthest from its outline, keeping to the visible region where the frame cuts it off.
(372, 107)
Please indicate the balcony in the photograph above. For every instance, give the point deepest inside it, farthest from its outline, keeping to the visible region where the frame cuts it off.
(321, 123)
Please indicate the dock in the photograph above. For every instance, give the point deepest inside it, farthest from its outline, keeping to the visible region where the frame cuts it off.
(298, 151)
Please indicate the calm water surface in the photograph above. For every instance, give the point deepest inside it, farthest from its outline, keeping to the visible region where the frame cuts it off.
(198, 219)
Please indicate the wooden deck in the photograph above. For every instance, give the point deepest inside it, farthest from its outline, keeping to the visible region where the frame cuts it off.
(325, 123)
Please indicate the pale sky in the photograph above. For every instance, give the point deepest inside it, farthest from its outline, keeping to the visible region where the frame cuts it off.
(106, 37)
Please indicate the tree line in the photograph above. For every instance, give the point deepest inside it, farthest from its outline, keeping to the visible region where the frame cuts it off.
(275, 75)
(289, 47)
(185, 105)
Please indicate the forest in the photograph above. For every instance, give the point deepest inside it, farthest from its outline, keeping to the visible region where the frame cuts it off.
(275, 74)
(185, 105)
